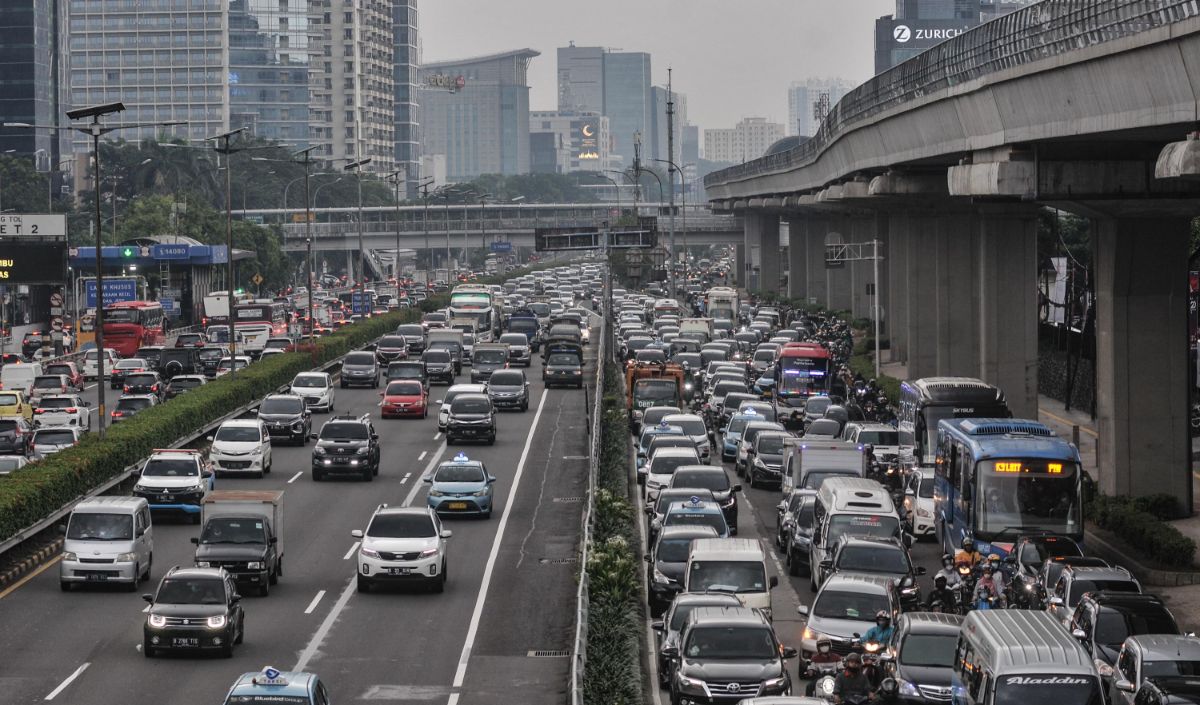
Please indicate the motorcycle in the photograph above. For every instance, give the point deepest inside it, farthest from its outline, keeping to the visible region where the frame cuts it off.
(821, 677)
(986, 602)
(966, 585)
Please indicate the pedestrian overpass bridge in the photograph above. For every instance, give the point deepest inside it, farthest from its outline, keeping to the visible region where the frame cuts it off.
(1083, 105)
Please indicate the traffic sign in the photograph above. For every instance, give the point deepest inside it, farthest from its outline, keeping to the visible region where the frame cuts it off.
(56, 298)
(38, 225)
(257, 279)
(360, 303)
(501, 247)
(56, 324)
(115, 289)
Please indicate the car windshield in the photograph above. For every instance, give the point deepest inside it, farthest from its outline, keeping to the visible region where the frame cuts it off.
(674, 550)
(668, 464)
(1112, 626)
(309, 381)
(879, 438)
(281, 405)
(703, 479)
(57, 436)
(491, 357)
(58, 370)
(404, 389)
(170, 467)
(130, 364)
(344, 431)
(227, 363)
(470, 405)
(239, 434)
(817, 405)
(459, 473)
(873, 559)
(737, 424)
(47, 383)
(54, 403)
(932, 650)
(100, 527)
(411, 329)
(823, 427)
(360, 358)
(862, 525)
(514, 339)
(132, 404)
(1160, 669)
(566, 360)
(435, 356)
(839, 604)
(732, 576)
(1041, 689)
(8, 400)
(232, 530)
(268, 698)
(507, 378)
(401, 526)
(770, 445)
(764, 355)
(191, 591)
(185, 383)
(715, 519)
(731, 643)
(210, 354)
(392, 341)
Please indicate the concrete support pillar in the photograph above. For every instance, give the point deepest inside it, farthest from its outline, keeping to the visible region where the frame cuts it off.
(739, 264)
(351, 260)
(922, 292)
(798, 257)
(762, 248)
(838, 279)
(898, 276)
(957, 309)
(1142, 356)
(1007, 305)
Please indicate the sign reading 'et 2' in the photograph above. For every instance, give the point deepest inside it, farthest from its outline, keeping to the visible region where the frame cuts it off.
(33, 225)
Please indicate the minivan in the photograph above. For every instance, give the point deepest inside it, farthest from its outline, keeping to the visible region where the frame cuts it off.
(850, 505)
(733, 565)
(20, 377)
(108, 540)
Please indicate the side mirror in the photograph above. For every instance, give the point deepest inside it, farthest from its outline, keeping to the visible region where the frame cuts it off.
(1124, 685)
(447, 533)
(491, 479)
(648, 558)
(802, 610)
(773, 581)
(658, 625)
(273, 540)
(148, 597)
(789, 652)
(670, 651)
(648, 511)
(1079, 634)
(357, 533)
(910, 493)
(737, 488)
(826, 564)
(235, 598)
(196, 540)
(209, 439)
(920, 570)
(1056, 601)
(312, 436)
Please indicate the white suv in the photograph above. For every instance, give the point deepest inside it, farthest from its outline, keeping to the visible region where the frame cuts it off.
(402, 545)
(177, 480)
(316, 388)
(241, 446)
(63, 410)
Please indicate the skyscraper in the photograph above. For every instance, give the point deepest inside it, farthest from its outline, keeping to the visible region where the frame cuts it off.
(352, 113)
(580, 140)
(627, 102)
(406, 56)
(581, 79)
(33, 71)
(804, 96)
(268, 73)
(920, 24)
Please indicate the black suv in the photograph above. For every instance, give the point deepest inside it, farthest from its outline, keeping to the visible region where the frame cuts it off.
(180, 361)
(360, 367)
(151, 354)
(210, 357)
(473, 418)
(182, 384)
(194, 609)
(346, 444)
(32, 342)
(1103, 620)
(726, 653)
(414, 336)
(286, 416)
(886, 557)
(144, 383)
(439, 365)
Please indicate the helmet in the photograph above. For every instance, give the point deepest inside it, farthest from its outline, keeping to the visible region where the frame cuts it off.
(940, 581)
(994, 558)
(988, 569)
(883, 614)
(968, 544)
(947, 558)
(889, 686)
(853, 659)
(824, 644)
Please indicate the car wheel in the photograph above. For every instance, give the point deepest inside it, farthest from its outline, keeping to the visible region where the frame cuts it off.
(227, 650)
(793, 565)
(344, 385)
(267, 469)
(440, 585)
(317, 476)
(492, 440)
(241, 635)
(279, 569)
(368, 476)
(363, 585)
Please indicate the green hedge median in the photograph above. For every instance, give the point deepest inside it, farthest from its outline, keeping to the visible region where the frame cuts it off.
(39, 489)
(1131, 519)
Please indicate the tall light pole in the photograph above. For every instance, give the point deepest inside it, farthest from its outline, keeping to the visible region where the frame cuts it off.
(672, 169)
(95, 130)
(395, 177)
(357, 166)
(424, 188)
(483, 199)
(225, 137)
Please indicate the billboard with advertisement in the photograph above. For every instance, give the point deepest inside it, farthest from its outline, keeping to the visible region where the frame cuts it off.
(896, 41)
(585, 135)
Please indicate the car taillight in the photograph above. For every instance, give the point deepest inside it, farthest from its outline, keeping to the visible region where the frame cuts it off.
(126, 389)
(72, 409)
(39, 411)
(154, 387)
(118, 413)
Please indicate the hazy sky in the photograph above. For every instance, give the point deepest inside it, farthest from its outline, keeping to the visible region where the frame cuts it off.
(733, 58)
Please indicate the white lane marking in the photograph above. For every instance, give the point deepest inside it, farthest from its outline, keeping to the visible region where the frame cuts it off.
(90, 386)
(422, 455)
(313, 605)
(353, 548)
(453, 699)
(327, 624)
(295, 477)
(437, 436)
(461, 673)
(437, 455)
(63, 686)
(409, 474)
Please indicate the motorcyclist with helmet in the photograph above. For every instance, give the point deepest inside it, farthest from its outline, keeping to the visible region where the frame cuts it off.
(949, 572)
(942, 596)
(823, 656)
(852, 684)
(882, 632)
(969, 555)
(998, 575)
(988, 588)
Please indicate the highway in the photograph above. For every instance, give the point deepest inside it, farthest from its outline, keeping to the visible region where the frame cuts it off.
(511, 588)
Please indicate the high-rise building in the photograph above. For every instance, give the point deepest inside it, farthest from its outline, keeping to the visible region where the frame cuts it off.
(581, 142)
(581, 79)
(353, 93)
(476, 112)
(268, 75)
(747, 140)
(627, 102)
(406, 56)
(807, 98)
(34, 73)
(918, 25)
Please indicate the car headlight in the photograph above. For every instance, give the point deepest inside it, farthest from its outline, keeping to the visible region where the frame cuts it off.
(216, 622)
(254, 565)
(318, 451)
(199, 487)
(436, 493)
(126, 557)
(808, 634)
(907, 689)
(369, 552)
(157, 620)
(685, 682)
(774, 682)
(480, 493)
(140, 488)
(826, 686)
(925, 513)
(429, 552)
(69, 556)
(758, 463)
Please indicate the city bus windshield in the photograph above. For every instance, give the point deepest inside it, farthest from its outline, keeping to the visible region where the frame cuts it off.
(1028, 494)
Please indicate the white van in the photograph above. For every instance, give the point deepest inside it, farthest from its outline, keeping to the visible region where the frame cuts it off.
(737, 566)
(20, 376)
(108, 540)
(1021, 656)
(849, 505)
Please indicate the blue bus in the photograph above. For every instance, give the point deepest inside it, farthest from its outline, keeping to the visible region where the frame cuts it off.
(996, 479)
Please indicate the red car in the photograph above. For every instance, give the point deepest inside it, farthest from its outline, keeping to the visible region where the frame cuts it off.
(405, 398)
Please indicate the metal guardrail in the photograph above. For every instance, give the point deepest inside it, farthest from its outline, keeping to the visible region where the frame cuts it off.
(1039, 31)
(579, 650)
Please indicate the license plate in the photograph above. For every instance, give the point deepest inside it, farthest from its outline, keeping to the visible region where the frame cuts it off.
(458, 505)
(399, 571)
(166, 498)
(97, 577)
(185, 641)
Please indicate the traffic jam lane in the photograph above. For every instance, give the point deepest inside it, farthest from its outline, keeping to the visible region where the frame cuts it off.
(104, 628)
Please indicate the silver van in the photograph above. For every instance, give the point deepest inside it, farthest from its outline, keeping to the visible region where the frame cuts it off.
(108, 540)
(1021, 657)
(737, 566)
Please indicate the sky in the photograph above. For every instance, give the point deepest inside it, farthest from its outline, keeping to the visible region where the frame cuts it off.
(732, 58)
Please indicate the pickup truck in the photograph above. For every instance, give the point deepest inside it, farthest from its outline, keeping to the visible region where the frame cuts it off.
(243, 533)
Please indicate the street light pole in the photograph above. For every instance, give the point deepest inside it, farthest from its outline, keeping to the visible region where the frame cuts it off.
(395, 176)
(424, 188)
(226, 136)
(362, 252)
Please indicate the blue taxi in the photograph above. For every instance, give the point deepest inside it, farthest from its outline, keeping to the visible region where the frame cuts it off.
(274, 686)
(461, 486)
(731, 435)
(697, 511)
(648, 434)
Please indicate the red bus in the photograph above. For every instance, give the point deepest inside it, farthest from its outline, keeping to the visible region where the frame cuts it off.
(802, 370)
(129, 325)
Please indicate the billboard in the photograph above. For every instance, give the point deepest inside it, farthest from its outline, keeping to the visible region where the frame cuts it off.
(120, 289)
(33, 262)
(586, 139)
(896, 41)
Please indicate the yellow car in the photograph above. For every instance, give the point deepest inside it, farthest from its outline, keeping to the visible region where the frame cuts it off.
(13, 403)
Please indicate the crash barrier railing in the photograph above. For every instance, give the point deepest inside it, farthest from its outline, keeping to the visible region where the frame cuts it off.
(579, 651)
(1039, 31)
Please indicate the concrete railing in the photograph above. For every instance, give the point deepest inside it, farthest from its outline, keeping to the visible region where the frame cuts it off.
(1039, 31)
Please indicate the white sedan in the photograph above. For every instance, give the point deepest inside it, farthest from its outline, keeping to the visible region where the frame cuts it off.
(56, 410)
